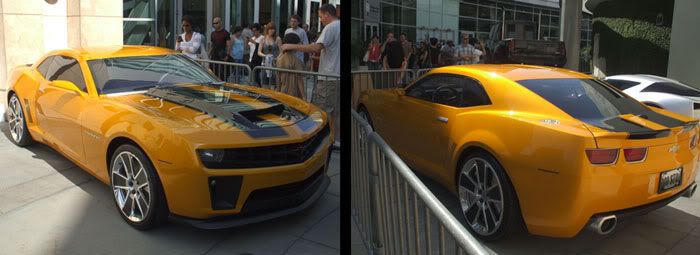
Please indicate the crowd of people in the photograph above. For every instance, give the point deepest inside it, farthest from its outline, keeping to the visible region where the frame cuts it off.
(403, 54)
(298, 49)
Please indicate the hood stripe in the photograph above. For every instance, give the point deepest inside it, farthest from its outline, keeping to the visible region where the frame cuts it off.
(193, 98)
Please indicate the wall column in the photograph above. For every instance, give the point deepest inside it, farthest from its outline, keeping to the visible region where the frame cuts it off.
(570, 31)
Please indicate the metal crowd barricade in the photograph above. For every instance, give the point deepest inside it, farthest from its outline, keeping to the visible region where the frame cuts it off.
(228, 71)
(395, 212)
(421, 72)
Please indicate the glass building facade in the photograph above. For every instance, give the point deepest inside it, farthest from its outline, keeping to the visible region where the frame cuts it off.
(158, 22)
(448, 19)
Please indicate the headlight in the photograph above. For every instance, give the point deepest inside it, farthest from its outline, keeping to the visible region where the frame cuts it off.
(209, 156)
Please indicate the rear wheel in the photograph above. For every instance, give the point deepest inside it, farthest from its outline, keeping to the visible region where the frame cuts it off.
(137, 191)
(17, 123)
(487, 199)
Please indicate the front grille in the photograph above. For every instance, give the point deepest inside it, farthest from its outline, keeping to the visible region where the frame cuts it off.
(267, 156)
(282, 197)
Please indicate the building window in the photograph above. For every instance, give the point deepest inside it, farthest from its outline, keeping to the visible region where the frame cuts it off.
(139, 22)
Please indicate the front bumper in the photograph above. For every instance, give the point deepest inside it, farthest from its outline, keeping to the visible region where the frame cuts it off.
(266, 209)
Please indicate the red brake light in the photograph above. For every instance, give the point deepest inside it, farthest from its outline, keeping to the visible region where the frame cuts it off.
(635, 154)
(602, 156)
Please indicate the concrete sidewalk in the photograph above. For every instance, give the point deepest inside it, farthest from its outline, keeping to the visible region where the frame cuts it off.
(50, 206)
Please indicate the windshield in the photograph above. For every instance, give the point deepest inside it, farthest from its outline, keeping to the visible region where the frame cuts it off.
(672, 88)
(125, 74)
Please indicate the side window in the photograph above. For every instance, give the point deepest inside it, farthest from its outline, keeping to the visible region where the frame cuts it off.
(425, 88)
(44, 66)
(67, 68)
(452, 90)
(622, 84)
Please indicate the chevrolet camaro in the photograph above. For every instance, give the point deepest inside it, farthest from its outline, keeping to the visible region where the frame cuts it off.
(553, 149)
(171, 140)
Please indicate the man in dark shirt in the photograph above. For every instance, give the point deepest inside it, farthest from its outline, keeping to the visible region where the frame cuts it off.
(393, 55)
(220, 48)
(434, 52)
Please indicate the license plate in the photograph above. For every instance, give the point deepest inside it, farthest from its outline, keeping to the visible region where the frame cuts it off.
(670, 179)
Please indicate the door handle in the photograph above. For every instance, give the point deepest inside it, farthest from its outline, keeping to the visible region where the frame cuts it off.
(442, 119)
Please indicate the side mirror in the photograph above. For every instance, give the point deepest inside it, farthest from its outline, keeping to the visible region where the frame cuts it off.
(66, 85)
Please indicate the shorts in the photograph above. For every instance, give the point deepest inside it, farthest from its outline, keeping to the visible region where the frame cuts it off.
(325, 96)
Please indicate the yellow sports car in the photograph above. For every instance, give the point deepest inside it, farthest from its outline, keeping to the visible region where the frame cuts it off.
(169, 138)
(554, 148)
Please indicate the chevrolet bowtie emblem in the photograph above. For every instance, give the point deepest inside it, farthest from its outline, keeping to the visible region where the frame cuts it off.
(674, 148)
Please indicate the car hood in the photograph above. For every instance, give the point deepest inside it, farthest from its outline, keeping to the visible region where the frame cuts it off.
(217, 114)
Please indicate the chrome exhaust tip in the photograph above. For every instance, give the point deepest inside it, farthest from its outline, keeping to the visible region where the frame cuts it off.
(603, 225)
(691, 190)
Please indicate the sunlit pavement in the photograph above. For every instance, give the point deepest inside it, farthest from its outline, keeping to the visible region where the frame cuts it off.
(50, 206)
(673, 229)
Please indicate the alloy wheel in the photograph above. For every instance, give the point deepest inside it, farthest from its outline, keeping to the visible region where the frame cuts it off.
(15, 119)
(481, 196)
(131, 187)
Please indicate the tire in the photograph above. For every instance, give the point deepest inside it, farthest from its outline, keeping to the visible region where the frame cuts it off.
(17, 123)
(479, 198)
(132, 191)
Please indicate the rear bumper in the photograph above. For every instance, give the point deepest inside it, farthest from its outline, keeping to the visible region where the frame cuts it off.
(307, 197)
(644, 209)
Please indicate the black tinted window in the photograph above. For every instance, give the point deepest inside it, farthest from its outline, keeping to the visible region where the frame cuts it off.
(672, 88)
(452, 90)
(44, 66)
(622, 84)
(67, 69)
(584, 99)
(114, 75)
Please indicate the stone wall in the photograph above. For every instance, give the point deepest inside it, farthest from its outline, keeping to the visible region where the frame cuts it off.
(30, 28)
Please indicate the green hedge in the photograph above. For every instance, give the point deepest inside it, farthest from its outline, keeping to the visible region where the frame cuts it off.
(631, 41)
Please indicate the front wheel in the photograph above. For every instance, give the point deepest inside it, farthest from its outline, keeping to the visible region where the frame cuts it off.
(17, 123)
(487, 198)
(137, 191)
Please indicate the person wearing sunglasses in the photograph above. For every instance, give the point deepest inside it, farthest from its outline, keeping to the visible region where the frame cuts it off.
(190, 42)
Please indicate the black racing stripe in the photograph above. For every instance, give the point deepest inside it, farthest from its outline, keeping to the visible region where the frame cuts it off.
(663, 120)
(236, 113)
(635, 130)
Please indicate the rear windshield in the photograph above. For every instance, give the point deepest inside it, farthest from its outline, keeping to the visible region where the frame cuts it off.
(125, 74)
(590, 101)
(672, 88)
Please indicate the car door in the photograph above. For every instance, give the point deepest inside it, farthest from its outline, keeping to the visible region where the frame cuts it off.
(59, 109)
(432, 108)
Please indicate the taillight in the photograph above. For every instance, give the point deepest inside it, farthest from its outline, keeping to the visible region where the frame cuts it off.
(635, 154)
(602, 156)
(694, 141)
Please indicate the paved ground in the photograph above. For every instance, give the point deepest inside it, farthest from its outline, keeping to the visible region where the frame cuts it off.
(673, 229)
(50, 206)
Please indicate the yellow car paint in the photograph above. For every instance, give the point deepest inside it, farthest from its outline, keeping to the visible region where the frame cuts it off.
(82, 125)
(558, 189)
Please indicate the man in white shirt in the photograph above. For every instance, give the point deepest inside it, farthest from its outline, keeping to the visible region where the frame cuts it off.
(294, 23)
(326, 93)
(466, 52)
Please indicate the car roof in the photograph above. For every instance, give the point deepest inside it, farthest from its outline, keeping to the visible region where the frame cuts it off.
(643, 78)
(100, 52)
(514, 72)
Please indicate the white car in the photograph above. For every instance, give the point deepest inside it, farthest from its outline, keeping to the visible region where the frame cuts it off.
(659, 92)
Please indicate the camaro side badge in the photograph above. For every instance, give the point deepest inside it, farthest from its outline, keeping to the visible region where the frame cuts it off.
(551, 122)
(674, 148)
